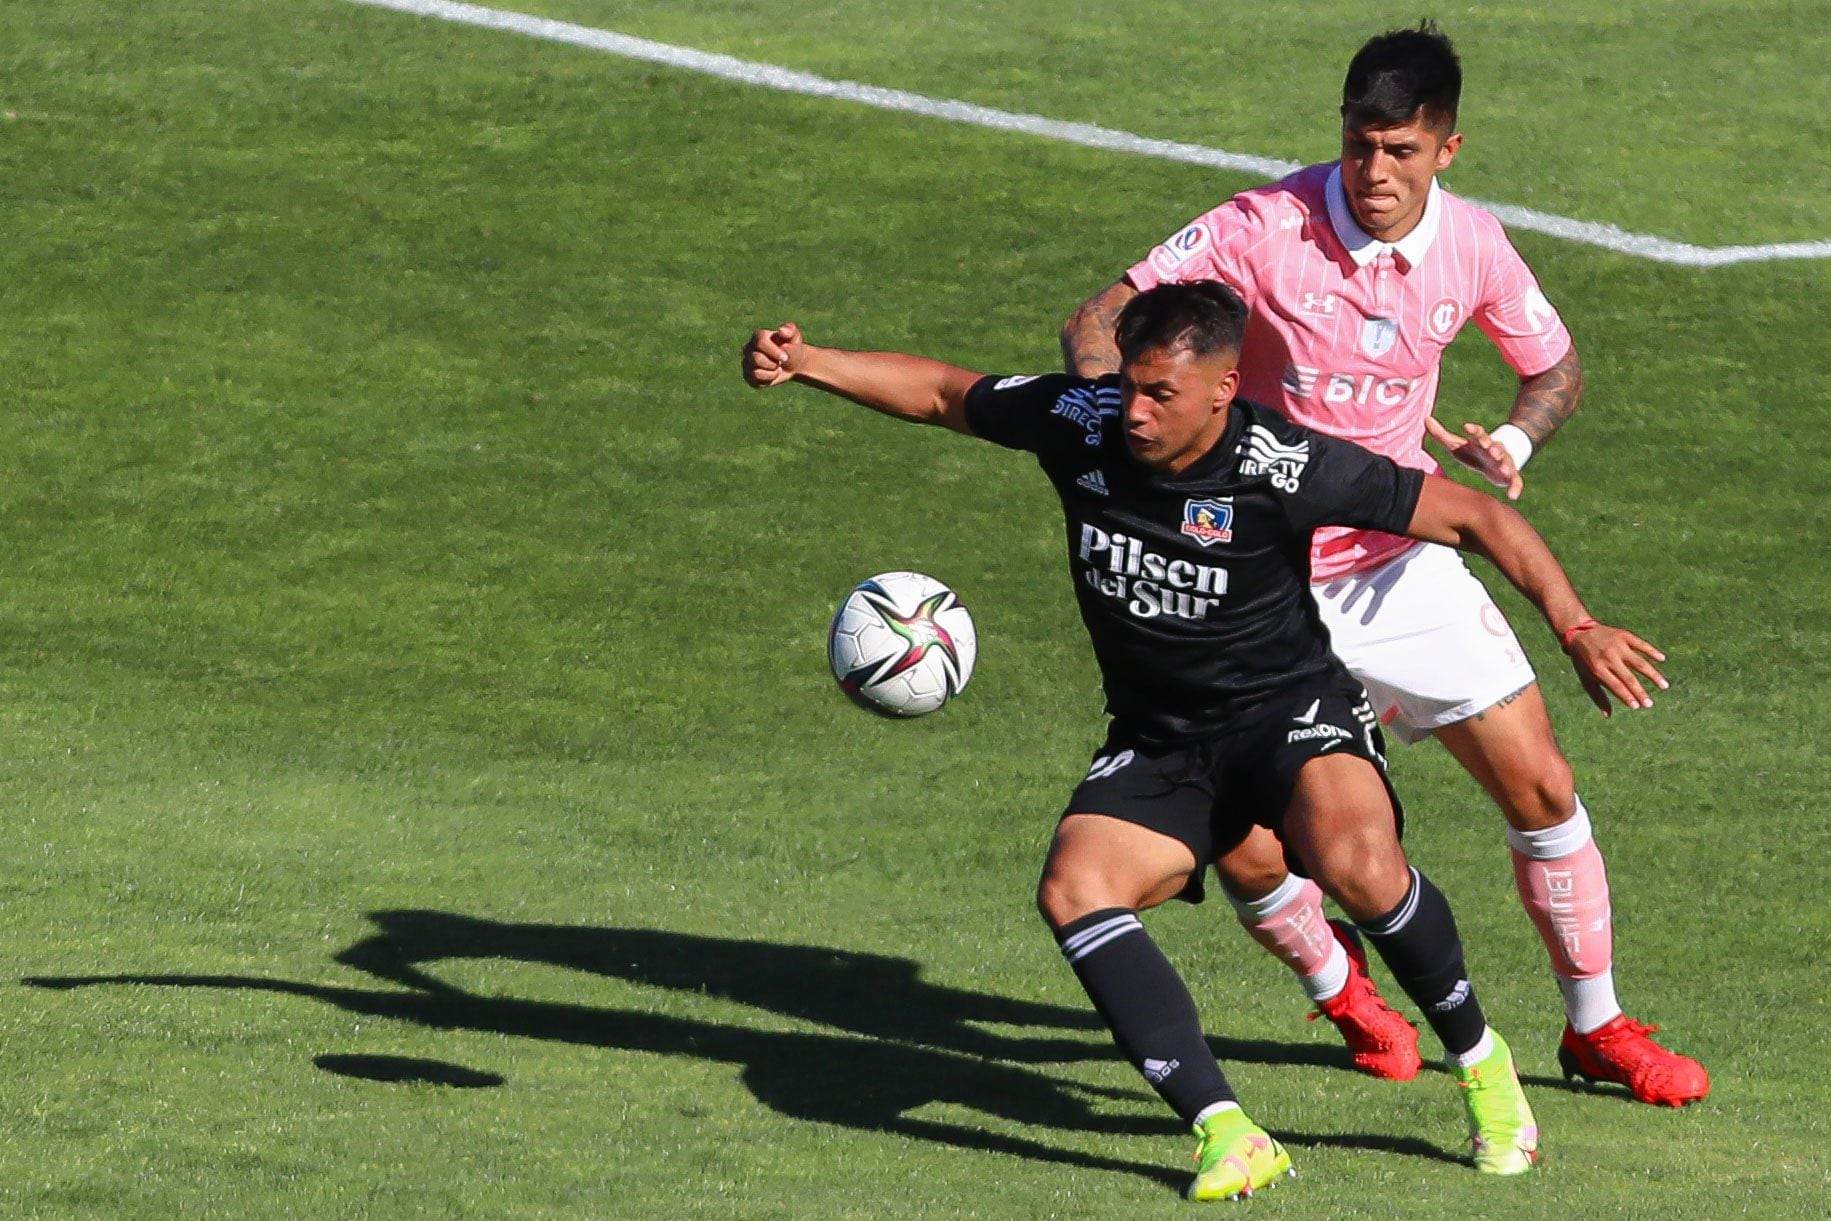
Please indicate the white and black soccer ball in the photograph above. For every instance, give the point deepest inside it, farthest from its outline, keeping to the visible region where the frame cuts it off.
(902, 644)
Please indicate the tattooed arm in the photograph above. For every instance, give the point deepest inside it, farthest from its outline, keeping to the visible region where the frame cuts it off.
(1087, 337)
(1545, 400)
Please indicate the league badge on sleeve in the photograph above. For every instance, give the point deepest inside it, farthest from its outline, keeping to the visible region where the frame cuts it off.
(1180, 249)
(1209, 521)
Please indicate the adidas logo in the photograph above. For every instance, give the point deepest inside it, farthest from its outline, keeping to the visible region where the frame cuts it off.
(1094, 482)
(1457, 995)
(1157, 1070)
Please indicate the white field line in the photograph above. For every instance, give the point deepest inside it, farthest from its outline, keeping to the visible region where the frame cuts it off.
(767, 76)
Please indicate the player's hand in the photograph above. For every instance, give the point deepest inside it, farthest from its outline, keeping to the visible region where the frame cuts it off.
(1612, 661)
(772, 357)
(1481, 453)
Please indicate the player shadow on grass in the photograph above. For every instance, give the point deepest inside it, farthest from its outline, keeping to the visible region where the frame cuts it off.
(907, 1044)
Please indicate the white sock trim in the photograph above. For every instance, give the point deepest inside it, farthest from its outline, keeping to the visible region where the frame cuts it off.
(1590, 1004)
(1400, 918)
(1553, 843)
(1215, 1108)
(1476, 1054)
(1281, 897)
(1088, 940)
(1327, 983)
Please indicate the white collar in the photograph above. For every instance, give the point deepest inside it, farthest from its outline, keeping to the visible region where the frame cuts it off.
(1362, 247)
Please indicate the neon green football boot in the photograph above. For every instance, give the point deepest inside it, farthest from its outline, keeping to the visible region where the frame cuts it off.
(1505, 1136)
(1235, 1158)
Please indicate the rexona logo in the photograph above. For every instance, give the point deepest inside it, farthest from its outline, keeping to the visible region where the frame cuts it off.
(1311, 733)
(1149, 584)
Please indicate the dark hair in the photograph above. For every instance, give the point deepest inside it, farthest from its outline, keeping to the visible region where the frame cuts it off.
(1203, 316)
(1401, 74)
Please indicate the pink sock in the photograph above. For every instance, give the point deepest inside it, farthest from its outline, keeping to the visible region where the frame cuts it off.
(1564, 886)
(1290, 923)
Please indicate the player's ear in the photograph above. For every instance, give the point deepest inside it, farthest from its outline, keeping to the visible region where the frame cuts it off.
(1447, 153)
(1226, 388)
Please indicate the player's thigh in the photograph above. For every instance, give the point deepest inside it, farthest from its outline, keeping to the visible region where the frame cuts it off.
(1097, 862)
(1344, 827)
(1315, 769)
(1512, 752)
(1134, 832)
(1422, 634)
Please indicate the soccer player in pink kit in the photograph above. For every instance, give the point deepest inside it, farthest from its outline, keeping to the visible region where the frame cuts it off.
(1358, 274)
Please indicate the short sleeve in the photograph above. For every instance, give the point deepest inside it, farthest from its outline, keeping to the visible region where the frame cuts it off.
(1515, 313)
(1342, 484)
(1213, 246)
(1038, 412)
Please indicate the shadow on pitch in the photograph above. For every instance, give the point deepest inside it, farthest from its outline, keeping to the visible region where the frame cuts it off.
(904, 1043)
(407, 1070)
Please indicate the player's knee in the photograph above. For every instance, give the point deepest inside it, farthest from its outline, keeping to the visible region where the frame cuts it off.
(1543, 796)
(1366, 879)
(1064, 896)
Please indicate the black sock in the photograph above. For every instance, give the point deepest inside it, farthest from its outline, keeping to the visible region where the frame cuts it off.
(1419, 944)
(1146, 1006)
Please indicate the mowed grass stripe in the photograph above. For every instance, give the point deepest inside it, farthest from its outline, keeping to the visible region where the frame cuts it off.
(1605, 236)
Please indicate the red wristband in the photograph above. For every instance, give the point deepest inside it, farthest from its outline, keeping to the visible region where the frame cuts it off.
(1570, 633)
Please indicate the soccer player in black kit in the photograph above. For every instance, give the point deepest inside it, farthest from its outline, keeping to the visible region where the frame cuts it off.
(1189, 516)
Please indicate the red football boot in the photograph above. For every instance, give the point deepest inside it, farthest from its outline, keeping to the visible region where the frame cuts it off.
(1622, 1053)
(1381, 1041)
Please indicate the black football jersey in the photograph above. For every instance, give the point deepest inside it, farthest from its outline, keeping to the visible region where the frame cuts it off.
(1194, 587)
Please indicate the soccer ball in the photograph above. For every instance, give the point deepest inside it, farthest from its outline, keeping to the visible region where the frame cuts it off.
(902, 644)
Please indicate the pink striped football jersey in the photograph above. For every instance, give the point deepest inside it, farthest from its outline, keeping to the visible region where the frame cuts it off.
(1346, 332)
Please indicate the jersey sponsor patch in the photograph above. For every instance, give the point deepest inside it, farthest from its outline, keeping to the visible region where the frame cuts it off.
(1148, 583)
(1086, 406)
(1541, 315)
(1209, 521)
(1181, 248)
(1300, 380)
(1261, 453)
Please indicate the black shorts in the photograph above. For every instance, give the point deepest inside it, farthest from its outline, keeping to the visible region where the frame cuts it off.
(1209, 794)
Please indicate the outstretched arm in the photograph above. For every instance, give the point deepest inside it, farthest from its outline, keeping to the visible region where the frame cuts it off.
(1087, 337)
(910, 388)
(1545, 400)
(1608, 660)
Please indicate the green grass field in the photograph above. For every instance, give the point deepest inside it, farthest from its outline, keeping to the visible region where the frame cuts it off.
(413, 629)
